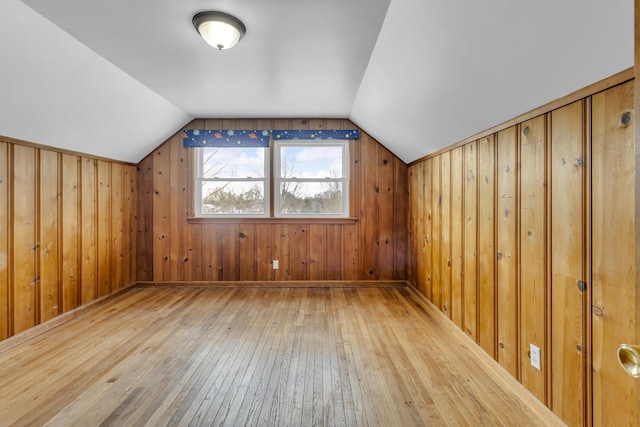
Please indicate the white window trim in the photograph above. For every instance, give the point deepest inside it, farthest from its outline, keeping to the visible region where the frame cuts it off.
(198, 180)
(345, 180)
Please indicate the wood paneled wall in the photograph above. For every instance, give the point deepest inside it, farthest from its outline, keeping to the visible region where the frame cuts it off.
(66, 232)
(500, 238)
(172, 248)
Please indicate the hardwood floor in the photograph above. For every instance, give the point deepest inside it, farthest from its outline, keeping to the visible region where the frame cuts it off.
(260, 356)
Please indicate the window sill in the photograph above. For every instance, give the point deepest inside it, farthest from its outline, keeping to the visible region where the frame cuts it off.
(208, 220)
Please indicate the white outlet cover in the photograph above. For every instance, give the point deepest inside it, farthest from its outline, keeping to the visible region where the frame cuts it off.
(535, 357)
(276, 264)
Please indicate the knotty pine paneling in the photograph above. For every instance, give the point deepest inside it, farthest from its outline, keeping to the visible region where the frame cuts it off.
(445, 233)
(614, 295)
(531, 219)
(144, 231)
(427, 224)
(49, 235)
(175, 249)
(413, 212)
(5, 253)
(51, 222)
(506, 250)
(470, 227)
(486, 245)
(419, 212)
(568, 236)
(533, 252)
(89, 269)
(457, 220)
(435, 239)
(104, 228)
(23, 244)
(70, 232)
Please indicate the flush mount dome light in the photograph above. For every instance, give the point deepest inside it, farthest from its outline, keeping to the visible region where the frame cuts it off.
(219, 29)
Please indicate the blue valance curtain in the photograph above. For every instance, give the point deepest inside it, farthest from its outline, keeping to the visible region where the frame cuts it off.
(259, 138)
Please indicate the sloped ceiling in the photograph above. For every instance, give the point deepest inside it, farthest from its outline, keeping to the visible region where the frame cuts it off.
(116, 78)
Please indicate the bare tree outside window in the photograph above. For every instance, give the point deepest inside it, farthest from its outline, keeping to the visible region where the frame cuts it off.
(233, 181)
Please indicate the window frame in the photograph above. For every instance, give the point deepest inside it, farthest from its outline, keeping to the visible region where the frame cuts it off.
(345, 180)
(194, 215)
(198, 181)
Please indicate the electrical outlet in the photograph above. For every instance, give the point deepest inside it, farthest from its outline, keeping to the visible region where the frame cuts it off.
(276, 264)
(535, 357)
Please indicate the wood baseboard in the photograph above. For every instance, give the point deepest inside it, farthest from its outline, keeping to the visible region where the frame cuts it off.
(281, 284)
(31, 333)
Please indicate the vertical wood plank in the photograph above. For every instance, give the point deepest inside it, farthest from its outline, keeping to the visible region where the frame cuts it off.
(506, 246)
(486, 245)
(470, 240)
(532, 252)
(70, 233)
(117, 253)
(104, 227)
(211, 253)
(49, 235)
(351, 244)
(4, 241)
(89, 220)
(264, 251)
(161, 211)
(436, 201)
(24, 238)
(567, 197)
(144, 220)
(400, 220)
(230, 262)
(421, 237)
(178, 257)
(413, 226)
(298, 249)
(247, 260)
(445, 233)
(281, 251)
(133, 182)
(334, 252)
(368, 205)
(128, 225)
(457, 235)
(317, 252)
(386, 247)
(428, 243)
(194, 252)
(613, 251)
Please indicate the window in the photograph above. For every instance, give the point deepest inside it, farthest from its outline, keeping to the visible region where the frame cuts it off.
(232, 181)
(290, 174)
(311, 179)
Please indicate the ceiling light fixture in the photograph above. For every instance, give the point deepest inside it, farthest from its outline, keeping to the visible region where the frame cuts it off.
(219, 29)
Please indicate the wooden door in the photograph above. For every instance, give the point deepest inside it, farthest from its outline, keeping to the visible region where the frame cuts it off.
(615, 394)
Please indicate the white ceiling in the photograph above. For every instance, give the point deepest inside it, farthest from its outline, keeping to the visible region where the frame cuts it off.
(99, 78)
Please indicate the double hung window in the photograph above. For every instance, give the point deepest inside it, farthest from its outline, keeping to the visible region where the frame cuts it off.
(232, 181)
(311, 179)
(293, 178)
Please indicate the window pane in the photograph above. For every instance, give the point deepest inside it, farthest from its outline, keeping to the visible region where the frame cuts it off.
(224, 197)
(311, 198)
(233, 162)
(323, 161)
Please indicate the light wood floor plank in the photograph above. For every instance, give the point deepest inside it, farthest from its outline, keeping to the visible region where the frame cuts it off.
(260, 356)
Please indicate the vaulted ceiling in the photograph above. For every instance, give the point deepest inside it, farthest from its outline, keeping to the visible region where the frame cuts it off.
(116, 78)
